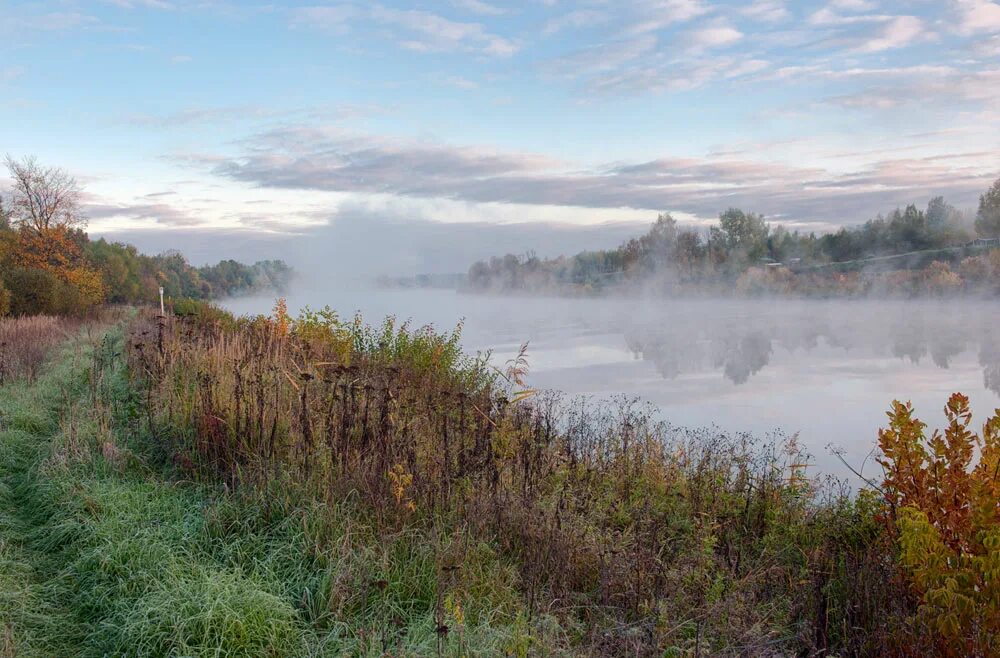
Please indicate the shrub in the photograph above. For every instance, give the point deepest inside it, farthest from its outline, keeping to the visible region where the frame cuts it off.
(942, 493)
(33, 291)
(974, 270)
(940, 280)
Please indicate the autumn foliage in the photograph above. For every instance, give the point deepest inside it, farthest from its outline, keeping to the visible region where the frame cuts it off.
(57, 250)
(943, 497)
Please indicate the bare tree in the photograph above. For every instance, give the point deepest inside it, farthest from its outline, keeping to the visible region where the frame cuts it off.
(43, 197)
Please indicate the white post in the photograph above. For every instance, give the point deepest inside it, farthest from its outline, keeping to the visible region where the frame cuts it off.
(162, 312)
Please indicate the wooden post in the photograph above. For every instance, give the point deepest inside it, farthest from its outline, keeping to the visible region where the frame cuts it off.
(161, 322)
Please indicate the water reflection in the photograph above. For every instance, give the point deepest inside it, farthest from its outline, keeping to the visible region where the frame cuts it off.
(741, 344)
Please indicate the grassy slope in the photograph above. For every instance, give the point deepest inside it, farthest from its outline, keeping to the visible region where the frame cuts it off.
(102, 552)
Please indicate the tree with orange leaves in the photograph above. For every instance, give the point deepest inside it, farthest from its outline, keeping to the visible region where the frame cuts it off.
(57, 250)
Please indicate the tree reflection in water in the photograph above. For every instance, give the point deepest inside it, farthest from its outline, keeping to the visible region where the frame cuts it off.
(739, 340)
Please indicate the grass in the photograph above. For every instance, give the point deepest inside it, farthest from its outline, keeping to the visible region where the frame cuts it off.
(105, 551)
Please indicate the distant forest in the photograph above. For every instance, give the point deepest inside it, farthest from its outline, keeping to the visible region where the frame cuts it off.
(48, 264)
(938, 250)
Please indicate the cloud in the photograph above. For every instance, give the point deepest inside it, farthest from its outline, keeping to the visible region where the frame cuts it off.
(575, 20)
(654, 15)
(241, 113)
(644, 62)
(640, 67)
(639, 19)
(898, 32)
(160, 213)
(768, 11)
(989, 47)
(10, 73)
(854, 5)
(604, 56)
(457, 81)
(865, 33)
(829, 16)
(412, 29)
(424, 31)
(194, 116)
(977, 16)
(635, 53)
(311, 159)
(717, 36)
(944, 88)
(341, 161)
(901, 84)
(149, 4)
(327, 18)
(479, 7)
(59, 21)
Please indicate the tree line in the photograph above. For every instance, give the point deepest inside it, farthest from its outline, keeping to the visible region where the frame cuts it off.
(746, 251)
(49, 265)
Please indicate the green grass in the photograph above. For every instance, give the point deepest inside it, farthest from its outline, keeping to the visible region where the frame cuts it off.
(104, 552)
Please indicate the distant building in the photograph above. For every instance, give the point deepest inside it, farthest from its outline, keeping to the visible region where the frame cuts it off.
(985, 242)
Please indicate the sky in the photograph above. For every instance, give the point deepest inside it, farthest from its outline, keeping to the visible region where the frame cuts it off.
(234, 128)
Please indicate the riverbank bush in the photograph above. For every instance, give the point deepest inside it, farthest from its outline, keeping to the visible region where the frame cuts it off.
(943, 492)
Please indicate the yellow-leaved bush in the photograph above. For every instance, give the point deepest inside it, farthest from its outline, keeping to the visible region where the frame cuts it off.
(943, 496)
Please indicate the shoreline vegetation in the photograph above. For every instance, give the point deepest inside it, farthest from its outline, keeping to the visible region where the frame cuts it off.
(936, 252)
(203, 484)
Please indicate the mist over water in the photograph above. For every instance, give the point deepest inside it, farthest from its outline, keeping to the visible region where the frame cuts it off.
(825, 370)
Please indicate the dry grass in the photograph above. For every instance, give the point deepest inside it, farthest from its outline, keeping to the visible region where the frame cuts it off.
(26, 341)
